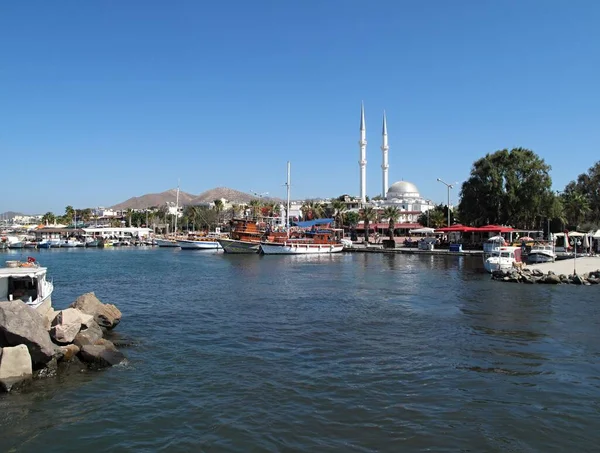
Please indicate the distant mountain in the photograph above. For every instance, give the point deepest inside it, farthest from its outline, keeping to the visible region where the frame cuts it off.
(9, 214)
(155, 199)
(233, 196)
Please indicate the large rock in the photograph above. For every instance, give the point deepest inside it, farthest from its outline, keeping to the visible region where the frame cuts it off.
(68, 352)
(72, 316)
(67, 323)
(20, 324)
(106, 315)
(88, 335)
(100, 356)
(64, 333)
(15, 366)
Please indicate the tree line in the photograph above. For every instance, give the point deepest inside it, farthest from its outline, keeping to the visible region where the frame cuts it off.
(514, 187)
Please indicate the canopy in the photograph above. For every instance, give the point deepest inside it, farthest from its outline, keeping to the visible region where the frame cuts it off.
(458, 228)
(422, 231)
(596, 235)
(314, 222)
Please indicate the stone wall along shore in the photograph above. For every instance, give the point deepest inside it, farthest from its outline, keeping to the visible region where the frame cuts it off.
(528, 275)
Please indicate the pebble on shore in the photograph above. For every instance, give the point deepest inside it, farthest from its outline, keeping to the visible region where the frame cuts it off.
(33, 345)
(527, 275)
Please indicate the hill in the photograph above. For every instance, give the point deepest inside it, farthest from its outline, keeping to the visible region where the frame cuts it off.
(159, 199)
(155, 199)
(234, 196)
(9, 214)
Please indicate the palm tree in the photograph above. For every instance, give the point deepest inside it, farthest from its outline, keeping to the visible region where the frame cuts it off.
(368, 215)
(192, 213)
(129, 214)
(48, 218)
(437, 218)
(255, 204)
(69, 214)
(392, 213)
(339, 207)
(576, 207)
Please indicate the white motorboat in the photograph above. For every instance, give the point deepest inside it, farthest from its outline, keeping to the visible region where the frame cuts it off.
(166, 243)
(502, 259)
(71, 243)
(299, 247)
(26, 282)
(198, 244)
(541, 253)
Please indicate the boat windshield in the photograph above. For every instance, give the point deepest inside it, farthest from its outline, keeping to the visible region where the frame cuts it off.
(505, 255)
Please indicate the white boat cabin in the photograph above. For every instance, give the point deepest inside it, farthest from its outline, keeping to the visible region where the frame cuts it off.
(26, 283)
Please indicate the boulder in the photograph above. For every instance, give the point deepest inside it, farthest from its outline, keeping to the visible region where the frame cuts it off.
(72, 316)
(64, 333)
(48, 318)
(88, 335)
(15, 366)
(593, 280)
(551, 278)
(576, 279)
(537, 272)
(106, 343)
(87, 303)
(20, 324)
(100, 356)
(68, 352)
(106, 315)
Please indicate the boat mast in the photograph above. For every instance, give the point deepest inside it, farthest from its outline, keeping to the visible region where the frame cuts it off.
(176, 209)
(287, 214)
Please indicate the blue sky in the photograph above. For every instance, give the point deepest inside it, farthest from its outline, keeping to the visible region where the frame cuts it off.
(101, 101)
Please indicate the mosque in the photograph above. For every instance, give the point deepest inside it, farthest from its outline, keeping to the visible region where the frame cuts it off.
(402, 194)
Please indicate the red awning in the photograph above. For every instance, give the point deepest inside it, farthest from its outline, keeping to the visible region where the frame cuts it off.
(397, 226)
(495, 229)
(458, 228)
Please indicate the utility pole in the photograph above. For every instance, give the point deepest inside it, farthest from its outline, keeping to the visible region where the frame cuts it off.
(448, 186)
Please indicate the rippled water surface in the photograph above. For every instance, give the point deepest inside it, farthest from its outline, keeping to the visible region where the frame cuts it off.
(349, 353)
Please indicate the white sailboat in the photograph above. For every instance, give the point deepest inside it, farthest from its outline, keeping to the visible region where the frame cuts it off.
(322, 242)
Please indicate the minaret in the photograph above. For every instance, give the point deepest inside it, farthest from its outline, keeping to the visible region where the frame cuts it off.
(384, 157)
(362, 163)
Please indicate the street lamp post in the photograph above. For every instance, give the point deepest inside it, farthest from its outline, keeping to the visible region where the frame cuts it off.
(575, 242)
(448, 186)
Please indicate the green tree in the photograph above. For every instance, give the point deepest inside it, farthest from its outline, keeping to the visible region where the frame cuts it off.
(368, 215)
(339, 208)
(69, 214)
(392, 213)
(48, 218)
(588, 185)
(507, 187)
(576, 208)
(436, 217)
(255, 204)
(351, 218)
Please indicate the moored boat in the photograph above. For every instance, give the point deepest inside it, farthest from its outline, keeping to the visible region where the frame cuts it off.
(315, 243)
(541, 253)
(26, 281)
(246, 236)
(503, 259)
(166, 243)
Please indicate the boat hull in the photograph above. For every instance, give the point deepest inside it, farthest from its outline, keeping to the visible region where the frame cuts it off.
(198, 245)
(166, 243)
(540, 258)
(239, 247)
(299, 249)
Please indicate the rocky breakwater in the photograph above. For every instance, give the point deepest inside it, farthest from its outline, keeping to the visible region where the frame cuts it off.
(33, 345)
(527, 275)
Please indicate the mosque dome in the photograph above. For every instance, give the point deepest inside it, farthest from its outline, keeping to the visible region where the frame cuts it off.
(402, 189)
